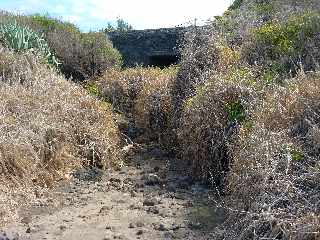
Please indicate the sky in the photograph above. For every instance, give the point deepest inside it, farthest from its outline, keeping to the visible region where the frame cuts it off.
(141, 14)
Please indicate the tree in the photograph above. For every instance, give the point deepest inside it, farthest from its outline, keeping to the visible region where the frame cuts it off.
(121, 25)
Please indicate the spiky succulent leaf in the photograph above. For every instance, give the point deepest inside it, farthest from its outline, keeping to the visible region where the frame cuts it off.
(20, 38)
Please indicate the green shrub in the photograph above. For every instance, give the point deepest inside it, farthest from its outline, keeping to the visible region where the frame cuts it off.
(121, 26)
(93, 89)
(296, 155)
(288, 44)
(235, 111)
(19, 38)
(48, 24)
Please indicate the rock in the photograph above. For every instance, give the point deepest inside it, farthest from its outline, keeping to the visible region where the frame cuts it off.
(3, 236)
(151, 179)
(133, 193)
(105, 209)
(26, 220)
(115, 180)
(62, 228)
(132, 225)
(135, 206)
(162, 227)
(153, 209)
(164, 213)
(108, 227)
(139, 185)
(106, 238)
(140, 232)
(140, 224)
(119, 236)
(150, 202)
(175, 227)
(90, 174)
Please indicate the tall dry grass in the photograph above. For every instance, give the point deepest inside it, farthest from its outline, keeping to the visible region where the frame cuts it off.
(143, 95)
(49, 126)
(250, 125)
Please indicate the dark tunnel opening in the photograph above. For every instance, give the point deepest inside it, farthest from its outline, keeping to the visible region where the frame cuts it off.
(163, 61)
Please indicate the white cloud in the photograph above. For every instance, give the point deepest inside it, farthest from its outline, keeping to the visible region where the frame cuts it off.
(139, 13)
(59, 9)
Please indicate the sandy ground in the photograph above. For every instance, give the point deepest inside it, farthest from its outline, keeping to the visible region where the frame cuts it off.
(149, 198)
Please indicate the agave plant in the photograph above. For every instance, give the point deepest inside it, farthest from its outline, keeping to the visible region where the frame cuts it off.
(21, 38)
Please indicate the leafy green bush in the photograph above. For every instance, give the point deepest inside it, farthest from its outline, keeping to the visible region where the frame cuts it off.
(235, 111)
(19, 38)
(121, 25)
(44, 21)
(283, 46)
(47, 24)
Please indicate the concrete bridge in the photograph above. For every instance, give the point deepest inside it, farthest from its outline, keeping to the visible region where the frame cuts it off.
(156, 47)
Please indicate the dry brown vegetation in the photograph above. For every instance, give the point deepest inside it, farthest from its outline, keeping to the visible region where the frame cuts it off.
(49, 126)
(242, 109)
(247, 117)
(142, 95)
(82, 55)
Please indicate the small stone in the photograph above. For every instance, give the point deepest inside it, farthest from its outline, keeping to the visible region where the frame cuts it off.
(105, 209)
(108, 227)
(26, 220)
(150, 202)
(62, 228)
(175, 227)
(131, 225)
(140, 232)
(140, 224)
(118, 236)
(151, 179)
(28, 230)
(3, 236)
(162, 227)
(154, 210)
(139, 185)
(133, 194)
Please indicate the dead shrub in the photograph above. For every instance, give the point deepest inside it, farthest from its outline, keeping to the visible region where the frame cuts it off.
(274, 172)
(143, 95)
(207, 125)
(82, 55)
(121, 87)
(153, 105)
(49, 126)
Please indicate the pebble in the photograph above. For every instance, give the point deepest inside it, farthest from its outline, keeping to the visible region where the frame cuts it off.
(140, 224)
(150, 202)
(3, 236)
(105, 209)
(151, 179)
(154, 210)
(140, 232)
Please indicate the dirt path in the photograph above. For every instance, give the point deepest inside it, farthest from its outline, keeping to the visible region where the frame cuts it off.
(148, 199)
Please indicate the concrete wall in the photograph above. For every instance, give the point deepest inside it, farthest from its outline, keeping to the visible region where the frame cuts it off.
(148, 47)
